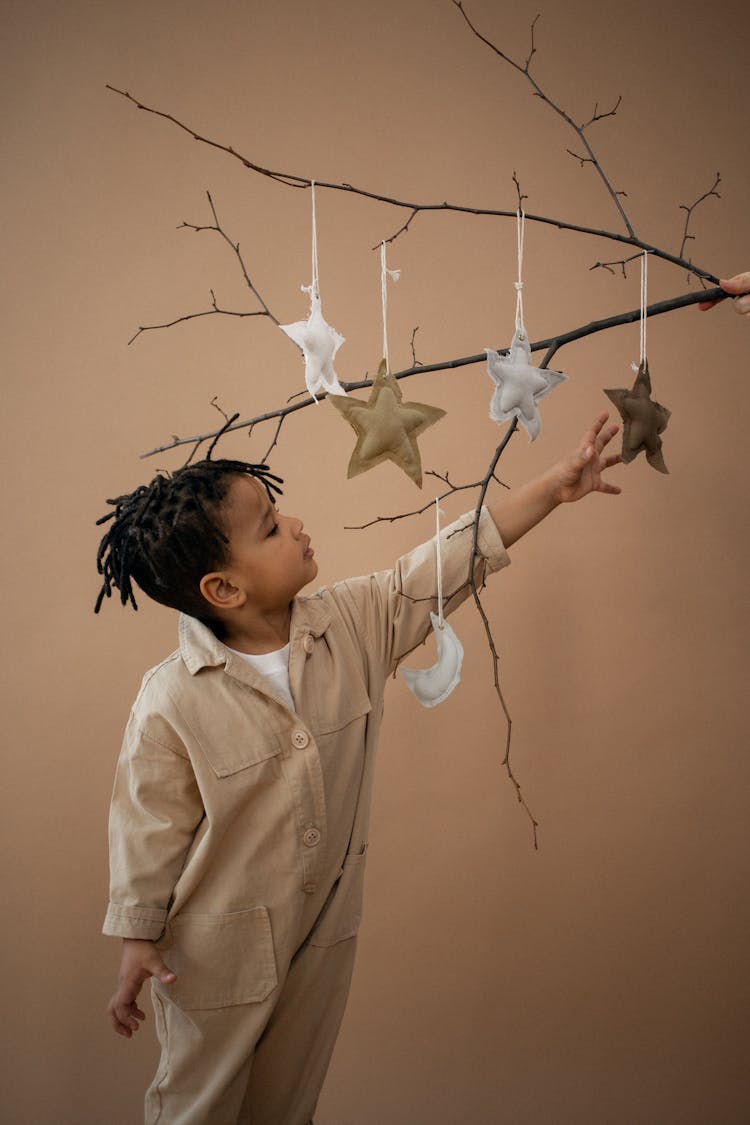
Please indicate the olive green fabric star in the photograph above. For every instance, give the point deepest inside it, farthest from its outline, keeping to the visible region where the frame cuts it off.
(642, 420)
(387, 428)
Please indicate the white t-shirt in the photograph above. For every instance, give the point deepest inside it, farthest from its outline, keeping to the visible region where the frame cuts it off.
(275, 667)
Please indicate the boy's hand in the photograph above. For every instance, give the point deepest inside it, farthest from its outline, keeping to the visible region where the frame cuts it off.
(737, 287)
(581, 473)
(140, 960)
(517, 511)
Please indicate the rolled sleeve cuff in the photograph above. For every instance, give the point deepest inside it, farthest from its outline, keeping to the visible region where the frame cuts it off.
(145, 923)
(489, 543)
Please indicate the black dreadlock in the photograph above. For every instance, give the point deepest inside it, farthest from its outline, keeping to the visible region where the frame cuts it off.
(167, 534)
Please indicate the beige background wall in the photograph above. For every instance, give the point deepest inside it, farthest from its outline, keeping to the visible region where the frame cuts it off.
(603, 978)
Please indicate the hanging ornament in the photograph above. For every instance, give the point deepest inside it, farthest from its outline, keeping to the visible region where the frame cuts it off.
(318, 341)
(643, 420)
(387, 428)
(432, 685)
(519, 386)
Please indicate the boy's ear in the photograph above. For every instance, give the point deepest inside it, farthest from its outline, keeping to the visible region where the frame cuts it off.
(220, 592)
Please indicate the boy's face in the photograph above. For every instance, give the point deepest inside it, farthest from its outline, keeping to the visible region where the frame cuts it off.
(270, 557)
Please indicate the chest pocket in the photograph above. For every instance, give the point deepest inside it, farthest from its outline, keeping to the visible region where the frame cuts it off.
(334, 711)
(334, 694)
(235, 725)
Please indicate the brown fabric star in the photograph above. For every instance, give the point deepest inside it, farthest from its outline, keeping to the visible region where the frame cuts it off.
(387, 428)
(642, 420)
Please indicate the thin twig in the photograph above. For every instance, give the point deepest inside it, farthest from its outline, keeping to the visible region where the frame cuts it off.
(192, 316)
(453, 488)
(579, 130)
(235, 246)
(622, 263)
(686, 237)
(475, 590)
(414, 361)
(520, 195)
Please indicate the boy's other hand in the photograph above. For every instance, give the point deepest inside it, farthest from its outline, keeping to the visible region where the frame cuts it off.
(581, 472)
(140, 960)
(737, 287)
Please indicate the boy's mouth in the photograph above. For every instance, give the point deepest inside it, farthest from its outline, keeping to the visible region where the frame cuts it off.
(308, 552)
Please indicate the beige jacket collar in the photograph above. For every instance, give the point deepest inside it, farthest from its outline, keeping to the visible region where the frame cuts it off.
(200, 648)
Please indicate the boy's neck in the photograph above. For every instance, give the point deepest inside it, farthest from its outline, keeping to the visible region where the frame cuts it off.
(255, 633)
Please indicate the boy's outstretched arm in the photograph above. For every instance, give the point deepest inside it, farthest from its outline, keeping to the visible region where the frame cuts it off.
(140, 960)
(572, 478)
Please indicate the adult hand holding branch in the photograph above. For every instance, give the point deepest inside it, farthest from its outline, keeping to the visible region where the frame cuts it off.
(737, 287)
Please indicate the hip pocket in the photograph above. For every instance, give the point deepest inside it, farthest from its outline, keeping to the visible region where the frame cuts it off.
(340, 917)
(220, 959)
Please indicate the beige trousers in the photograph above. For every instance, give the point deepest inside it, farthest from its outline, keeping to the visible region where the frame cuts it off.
(253, 1064)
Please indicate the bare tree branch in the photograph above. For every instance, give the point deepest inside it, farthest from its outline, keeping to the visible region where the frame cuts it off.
(451, 490)
(291, 180)
(600, 116)
(686, 237)
(519, 193)
(622, 263)
(555, 341)
(579, 130)
(214, 310)
(414, 361)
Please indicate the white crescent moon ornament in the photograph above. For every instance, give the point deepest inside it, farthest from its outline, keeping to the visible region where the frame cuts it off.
(432, 685)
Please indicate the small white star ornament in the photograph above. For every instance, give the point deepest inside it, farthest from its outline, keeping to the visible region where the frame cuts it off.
(519, 386)
(319, 343)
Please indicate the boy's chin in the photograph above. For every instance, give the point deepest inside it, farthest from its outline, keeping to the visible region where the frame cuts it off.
(313, 575)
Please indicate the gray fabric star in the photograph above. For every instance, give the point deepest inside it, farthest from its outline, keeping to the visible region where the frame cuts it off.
(519, 385)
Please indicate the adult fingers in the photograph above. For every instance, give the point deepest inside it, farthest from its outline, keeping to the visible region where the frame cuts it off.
(740, 283)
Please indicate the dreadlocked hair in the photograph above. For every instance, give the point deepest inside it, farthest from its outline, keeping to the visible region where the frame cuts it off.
(167, 534)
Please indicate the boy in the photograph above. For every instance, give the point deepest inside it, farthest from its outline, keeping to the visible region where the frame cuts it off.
(238, 826)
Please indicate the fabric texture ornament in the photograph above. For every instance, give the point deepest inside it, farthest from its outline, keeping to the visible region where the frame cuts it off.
(319, 343)
(519, 386)
(432, 685)
(642, 420)
(387, 428)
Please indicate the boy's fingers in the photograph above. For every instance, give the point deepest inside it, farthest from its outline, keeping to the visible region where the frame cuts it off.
(163, 972)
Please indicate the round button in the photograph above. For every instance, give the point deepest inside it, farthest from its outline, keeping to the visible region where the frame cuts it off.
(300, 739)
(308, 644)
(311, 837)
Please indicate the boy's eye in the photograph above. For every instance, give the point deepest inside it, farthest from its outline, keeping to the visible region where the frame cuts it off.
(274, 529)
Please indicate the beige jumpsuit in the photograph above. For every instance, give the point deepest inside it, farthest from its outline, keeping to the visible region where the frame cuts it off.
(238, 833)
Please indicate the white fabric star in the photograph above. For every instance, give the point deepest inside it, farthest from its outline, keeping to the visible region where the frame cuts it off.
(319, 343)
(518, 385)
